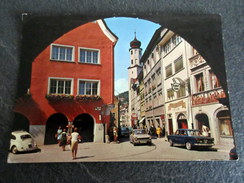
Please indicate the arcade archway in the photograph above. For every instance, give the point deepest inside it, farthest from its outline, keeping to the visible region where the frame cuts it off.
(20, 122)
(53, 122)
(85, 125)
(182, 121)
(202, 119)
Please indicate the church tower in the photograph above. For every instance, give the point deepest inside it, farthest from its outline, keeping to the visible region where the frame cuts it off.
(133, 72)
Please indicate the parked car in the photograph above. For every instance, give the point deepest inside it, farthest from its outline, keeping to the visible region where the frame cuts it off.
(124, 132)
(233, 154)
(140, 136)
(190, 138)
(22, 141)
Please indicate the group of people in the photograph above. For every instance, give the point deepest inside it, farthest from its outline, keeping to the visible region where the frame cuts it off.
(159, 132)
(71, 139)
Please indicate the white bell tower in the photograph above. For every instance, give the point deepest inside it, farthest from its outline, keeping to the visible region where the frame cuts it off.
(133, 72)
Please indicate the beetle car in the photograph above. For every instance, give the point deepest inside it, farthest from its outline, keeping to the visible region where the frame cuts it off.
(140, 136)
(22, 141)
(190, 138)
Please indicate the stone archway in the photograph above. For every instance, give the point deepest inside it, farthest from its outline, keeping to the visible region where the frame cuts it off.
(20, 122)
(85, 125)
(53, 122)
(202, 119)
(202, 32)
(182, 121)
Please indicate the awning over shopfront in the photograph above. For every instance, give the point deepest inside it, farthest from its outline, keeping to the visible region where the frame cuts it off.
(141, 120)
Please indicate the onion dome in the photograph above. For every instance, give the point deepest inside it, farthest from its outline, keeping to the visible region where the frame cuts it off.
(135, 43)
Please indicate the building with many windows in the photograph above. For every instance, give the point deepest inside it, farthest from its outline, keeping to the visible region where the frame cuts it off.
(175, 52)
(180, 89)
(153, 83)
(72, 83)
(206, 108)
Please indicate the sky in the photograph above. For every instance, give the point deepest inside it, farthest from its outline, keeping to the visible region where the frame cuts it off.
(124, 29)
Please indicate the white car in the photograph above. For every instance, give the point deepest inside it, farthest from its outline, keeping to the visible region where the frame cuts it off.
(21, 141)
(140, 136)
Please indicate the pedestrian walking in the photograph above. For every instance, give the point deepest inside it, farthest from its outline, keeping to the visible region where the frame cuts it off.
(58, 134)
(163, 132)
(159, 131)
(115, 133)
(205, 131)
(75, 138)
(63, 139)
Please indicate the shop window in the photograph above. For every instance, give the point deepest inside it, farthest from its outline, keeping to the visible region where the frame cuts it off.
(224, 123)
(62, 53)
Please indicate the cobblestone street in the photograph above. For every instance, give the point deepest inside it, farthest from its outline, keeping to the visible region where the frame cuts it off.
(123, 151)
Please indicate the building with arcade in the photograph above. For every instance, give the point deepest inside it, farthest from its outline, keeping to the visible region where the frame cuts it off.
(72, 82)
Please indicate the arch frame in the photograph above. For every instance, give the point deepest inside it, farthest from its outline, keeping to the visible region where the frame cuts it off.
(232, 33)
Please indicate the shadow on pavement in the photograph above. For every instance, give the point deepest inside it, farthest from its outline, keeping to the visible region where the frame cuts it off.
(82, 157)
(199, 148)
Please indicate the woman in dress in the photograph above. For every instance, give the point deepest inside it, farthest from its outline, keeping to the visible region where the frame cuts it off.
(75, 137)
(59, 134)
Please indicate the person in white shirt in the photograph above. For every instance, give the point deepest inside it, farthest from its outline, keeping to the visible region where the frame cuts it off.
(75, 137)
(205, 131)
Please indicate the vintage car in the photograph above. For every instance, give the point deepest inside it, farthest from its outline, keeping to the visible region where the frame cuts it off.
(124, 132)
(140, 136)
(22, 141)
(190, 138)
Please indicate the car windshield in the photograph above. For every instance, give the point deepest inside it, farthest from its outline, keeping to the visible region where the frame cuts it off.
(125, 129)
(23, 137)
(140, 132)
(194, 133)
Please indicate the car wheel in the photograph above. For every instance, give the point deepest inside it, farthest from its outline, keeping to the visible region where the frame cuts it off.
(188, 146)
(171, 142)
(14, 150)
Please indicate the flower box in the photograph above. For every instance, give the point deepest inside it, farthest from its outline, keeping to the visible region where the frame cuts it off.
(87, 98)
(59, 97)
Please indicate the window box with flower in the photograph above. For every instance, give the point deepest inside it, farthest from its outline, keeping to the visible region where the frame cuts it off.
(59, 97)
(87, 98)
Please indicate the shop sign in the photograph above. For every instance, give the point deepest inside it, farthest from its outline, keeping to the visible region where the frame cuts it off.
(178, 104)
(177, 82)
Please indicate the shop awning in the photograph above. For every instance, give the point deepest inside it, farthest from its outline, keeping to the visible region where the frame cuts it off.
(141, 120)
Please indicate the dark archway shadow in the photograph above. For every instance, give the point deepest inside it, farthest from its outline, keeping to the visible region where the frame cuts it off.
(52, 125)
(85, 125)
(20, 122)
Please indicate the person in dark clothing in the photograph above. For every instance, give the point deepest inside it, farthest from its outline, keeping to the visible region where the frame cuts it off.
(63, 139)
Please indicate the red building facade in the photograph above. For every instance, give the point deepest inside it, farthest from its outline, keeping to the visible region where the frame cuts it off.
(72, 82)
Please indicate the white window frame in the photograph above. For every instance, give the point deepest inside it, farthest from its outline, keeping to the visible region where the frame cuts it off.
(64, 46)
(89, 49)
(59, 78)
(89, 80)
